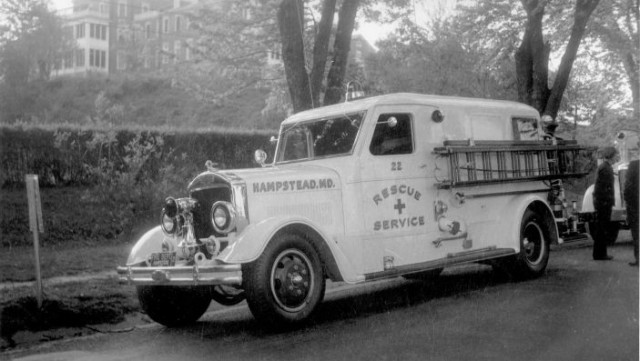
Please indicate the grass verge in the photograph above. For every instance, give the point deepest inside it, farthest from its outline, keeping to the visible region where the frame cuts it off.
(72, 304)
(17, 264)
(67, 303)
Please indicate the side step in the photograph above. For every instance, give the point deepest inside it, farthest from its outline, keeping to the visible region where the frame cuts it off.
(451, 260)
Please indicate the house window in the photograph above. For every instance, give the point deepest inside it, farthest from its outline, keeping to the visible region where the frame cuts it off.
(147, 30)
(178, 22)
(80, 31)
(166, 25)
(122, 10)
(97, 58)
(102, 8)
(97, 31)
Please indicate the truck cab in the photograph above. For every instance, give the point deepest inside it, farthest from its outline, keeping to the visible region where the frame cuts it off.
(394, 185)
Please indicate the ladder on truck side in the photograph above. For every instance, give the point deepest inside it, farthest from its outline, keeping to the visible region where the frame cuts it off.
(489, 162)
(496, 162)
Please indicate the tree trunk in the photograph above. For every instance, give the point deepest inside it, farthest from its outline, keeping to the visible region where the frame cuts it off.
(341, 47)
(320, 49)
(290, 17)
(532, 59)
(583, 11)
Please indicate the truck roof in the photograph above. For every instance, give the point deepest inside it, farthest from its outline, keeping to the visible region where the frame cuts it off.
(410, 99)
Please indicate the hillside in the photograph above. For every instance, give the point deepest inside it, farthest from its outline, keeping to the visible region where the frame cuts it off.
(140, 101)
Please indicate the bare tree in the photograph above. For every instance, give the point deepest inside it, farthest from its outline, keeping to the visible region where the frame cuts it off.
(532, 57)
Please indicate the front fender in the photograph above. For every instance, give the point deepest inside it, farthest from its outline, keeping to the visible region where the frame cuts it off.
(587, 200)
(149, 242)
(253, 240)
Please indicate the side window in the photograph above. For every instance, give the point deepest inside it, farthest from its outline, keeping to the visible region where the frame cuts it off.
(525, 129)
(393, 135)
(296, 145)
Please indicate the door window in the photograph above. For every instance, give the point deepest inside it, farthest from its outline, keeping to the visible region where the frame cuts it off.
(393, 135)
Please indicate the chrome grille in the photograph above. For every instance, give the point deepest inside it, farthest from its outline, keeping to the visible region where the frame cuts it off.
(205, 198)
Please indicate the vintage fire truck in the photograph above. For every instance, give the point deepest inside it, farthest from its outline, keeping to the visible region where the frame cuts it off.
(626, 142)
(380, 187)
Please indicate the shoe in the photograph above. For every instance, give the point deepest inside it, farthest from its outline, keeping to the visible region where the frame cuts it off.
(633, 264)
(605, 258)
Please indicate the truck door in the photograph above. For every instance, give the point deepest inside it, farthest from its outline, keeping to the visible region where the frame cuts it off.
(397, 185)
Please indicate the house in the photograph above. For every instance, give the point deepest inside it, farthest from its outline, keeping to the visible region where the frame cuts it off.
(135, 35)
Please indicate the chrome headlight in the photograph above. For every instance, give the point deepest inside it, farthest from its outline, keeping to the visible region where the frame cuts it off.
(170, 207)
(171, 221)
(169, 225)
(223, 217)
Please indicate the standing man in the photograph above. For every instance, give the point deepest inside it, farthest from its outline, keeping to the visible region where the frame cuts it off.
(603, 200)
(631, 198)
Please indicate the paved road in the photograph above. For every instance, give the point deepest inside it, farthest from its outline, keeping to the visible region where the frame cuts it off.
(580, 310)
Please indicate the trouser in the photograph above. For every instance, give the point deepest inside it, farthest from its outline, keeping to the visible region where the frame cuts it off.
(601, 234)
(632, 219)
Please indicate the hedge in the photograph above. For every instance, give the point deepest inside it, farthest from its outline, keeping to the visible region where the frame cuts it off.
(107, 185)
(64, 157)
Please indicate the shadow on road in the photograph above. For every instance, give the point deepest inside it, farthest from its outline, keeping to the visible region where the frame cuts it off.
(353, 303)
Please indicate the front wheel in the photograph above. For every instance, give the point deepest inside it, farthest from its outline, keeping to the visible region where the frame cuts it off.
(286, 283)
(174, 306)
(532, 260)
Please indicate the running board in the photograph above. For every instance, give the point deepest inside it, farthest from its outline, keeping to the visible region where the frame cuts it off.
(452, 259)
(574, 238)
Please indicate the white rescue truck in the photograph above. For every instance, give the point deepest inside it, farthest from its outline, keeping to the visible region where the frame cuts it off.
(381, 187)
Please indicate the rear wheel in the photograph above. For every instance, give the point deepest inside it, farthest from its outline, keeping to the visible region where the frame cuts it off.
(532, 260)
(286, 283)
(174, 306)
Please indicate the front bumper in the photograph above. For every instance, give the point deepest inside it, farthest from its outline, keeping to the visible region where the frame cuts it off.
(196, 275)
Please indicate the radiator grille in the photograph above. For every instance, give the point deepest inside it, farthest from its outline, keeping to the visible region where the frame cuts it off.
(206, 198)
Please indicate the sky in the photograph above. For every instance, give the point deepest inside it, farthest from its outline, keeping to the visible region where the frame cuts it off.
(423, 11)
(60, 4)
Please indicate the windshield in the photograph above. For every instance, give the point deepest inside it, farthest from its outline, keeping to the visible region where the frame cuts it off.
(319, 138)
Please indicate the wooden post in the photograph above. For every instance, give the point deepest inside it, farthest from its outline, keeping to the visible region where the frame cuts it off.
(36, 225)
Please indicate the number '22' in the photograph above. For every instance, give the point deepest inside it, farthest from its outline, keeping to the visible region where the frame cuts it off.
(396, 166)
